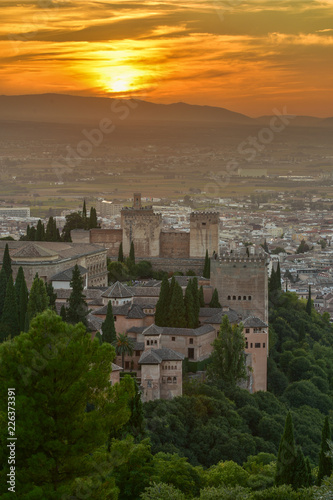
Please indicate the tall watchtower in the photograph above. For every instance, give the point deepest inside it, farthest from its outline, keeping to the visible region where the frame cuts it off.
(142, 226)
(204, 233)
(242, 283)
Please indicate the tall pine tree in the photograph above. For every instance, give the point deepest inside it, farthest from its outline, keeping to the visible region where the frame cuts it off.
(108, 328)
(201, 297)
(162, 306)
(40, 232)
(325, 462)
(215, 300)
(38, 299)
(120, 253)
(278, 277)
(21, 290)
(132, 253)
(189, 306)
(206, 271)
(286, 460)
(77, 307)
(309, 303)
(93, 223)
(3, 287)
(9, 318)
(177, 313)
(7, 262)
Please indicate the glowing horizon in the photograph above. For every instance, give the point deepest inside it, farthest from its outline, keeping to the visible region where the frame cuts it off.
(247, 56)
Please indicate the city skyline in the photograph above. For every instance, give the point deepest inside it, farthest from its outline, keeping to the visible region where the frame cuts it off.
(246, 56)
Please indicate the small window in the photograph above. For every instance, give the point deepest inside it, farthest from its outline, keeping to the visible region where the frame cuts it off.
(251, 345)
(173, 339)
(247, 330)
(229, 297)
(239, 297)
(264, 345)
(244, 297)
(137, 353)
(149, 384)
(147, 342)
(115, 318)
(127, 365)
(249, 298)
(190, 353)
(257, 345)
(234, 297)
(191, 341)
(175, 380)
(204, 223)
(169, 379)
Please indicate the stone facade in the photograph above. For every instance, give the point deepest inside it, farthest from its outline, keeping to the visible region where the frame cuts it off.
(204, 233)
(242, 284)
(50, 258)
(109, 238)
(174, 244)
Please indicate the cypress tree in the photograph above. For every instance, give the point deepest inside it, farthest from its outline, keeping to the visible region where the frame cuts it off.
(108, 328)
(93, 223)
(7, 262)
(278, 277)
(309, 303)
(51, 230)
(84, 210)
(77, 308)
(162, 306)
(201, 297)
(63, 313)
(51, 295)
(23, 306)
(32, 234)
(120, 253)
(189, 306)
(18, 282)
(196, 301)
(215, 300)
(206, 271)
(325, 462)
(132, 253)
(301, 475)
(10, 310)
(285, 465)
(272, 282)
(40, 231)
(38, 299)
(58, 235)
(177, 314)
(3, 287)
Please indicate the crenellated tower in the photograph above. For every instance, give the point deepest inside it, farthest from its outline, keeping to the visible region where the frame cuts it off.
(204, 234)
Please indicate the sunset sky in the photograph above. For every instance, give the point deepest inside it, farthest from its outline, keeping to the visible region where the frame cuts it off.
(247, 56)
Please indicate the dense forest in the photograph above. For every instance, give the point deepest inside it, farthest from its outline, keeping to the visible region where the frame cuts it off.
(80, 437)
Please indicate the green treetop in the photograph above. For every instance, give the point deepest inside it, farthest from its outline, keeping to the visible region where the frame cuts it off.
(177, 313)
(189, 307)
(325, 460)
(108, 328)
(51, 295)
(309, 303)
(77, 307)
(215, 300)
(56, 370)
(228, 357)
(38, 298)
(162, 306)
(124, 347)
(51, 233)
(40, 232)
(7, 262)
(132, 253)
(201, 297)
(196, 300)
(286, 460)
(9, 320)
(93, 223)
(3, 287)
(206, 271)
(120, 253)
(22, 295)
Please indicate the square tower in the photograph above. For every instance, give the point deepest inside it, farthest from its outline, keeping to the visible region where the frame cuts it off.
(204, 234)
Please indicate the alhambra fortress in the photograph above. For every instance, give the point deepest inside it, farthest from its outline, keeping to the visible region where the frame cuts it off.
(241, 280)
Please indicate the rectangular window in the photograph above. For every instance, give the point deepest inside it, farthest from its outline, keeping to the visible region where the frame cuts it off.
(127, 365)
(264, 345)
(115, 318)
(190, 354)
(137, 353)
(251, 345)
(257, 344)
(247, 330)
(191, 341)
(173, 339)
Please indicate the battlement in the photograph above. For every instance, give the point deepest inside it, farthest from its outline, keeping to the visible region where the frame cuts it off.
(241, 259)
(203, 216)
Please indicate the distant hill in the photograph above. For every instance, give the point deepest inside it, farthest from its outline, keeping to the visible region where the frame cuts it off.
(59, 108)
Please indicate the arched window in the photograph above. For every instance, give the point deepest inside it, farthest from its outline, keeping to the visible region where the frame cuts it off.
(175, 380)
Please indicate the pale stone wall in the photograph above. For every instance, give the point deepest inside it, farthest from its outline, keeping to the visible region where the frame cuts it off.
(259, 358)
(108, 238)
(150, 382)
(171, 379)
(143, 227)
(175, 244)
(204, 233)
